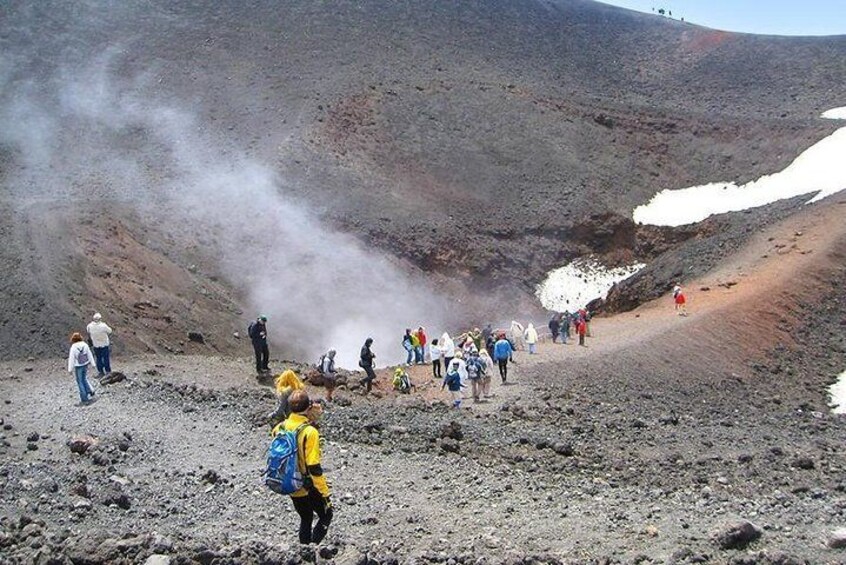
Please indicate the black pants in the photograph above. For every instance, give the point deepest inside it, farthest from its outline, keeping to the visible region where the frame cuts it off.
(581, 339)
(307, 507)
(262, 356)
(436, 369)
(370, 376)
(503, 368)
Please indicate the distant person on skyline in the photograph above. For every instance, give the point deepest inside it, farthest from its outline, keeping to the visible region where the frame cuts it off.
(258, 335)
(98, 334)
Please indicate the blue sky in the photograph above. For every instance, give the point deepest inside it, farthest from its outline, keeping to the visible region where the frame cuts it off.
(775, 17)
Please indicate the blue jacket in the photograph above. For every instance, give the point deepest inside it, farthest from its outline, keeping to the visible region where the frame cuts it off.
(452, 381)
(502, 350)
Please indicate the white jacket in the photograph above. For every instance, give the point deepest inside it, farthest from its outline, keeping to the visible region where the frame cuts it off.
(447, 345)
(435, 352)
(99, 333)
(531, 334)
(79, 350)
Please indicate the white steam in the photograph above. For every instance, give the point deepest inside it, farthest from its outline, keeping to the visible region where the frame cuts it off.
(319, 288)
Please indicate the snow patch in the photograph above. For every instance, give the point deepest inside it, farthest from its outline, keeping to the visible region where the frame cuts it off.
(835, 114)
(571, 287)
(838, 395)
(821, 169)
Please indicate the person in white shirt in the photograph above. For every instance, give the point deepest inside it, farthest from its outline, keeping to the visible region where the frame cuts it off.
(79, 357)
(436, 353)
(98, 333)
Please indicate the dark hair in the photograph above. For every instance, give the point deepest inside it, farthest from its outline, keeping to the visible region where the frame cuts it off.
(368, 341)
(435, 341)
(299, 401)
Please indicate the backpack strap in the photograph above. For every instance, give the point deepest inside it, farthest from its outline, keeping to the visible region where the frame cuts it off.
(303, 444)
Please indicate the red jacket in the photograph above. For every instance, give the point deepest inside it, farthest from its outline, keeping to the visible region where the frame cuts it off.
(581, 327)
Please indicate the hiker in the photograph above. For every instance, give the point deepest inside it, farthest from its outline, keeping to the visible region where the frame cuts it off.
(475, 372)
(581, 329)
(79, 357)
(489, 345)
(401, 382)
(555, 327)
(286, 383)
(531, 336)
(452, 381)
(586, 316)
(517, 330)
(567, 325)
(487, 372)
(448, 349)
(258, 335)
(420, 350)
(326, 368)
(468, 346)
(476, 336)
(435, 354)
(681, 303)
(98, 336)
(502, 353)
(408, 345)
(313, 498)
(487, 332)
(365, 361)
(462, 367)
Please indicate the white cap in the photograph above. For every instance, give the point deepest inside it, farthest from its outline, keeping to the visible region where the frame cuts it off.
(97, 316)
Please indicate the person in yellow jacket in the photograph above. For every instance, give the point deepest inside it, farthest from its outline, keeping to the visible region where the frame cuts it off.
(313, 498)
(286, 383)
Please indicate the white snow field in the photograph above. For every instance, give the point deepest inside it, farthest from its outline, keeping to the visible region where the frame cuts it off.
(571, 287)
(821, 169)
(838, 395)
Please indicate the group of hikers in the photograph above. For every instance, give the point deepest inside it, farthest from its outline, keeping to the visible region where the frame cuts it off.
(94, 352)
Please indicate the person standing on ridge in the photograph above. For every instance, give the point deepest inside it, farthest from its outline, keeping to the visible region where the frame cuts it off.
(502, 352)
(313, 498)
(79, 357)
(258, 335)
(98, 333)
(365, 361)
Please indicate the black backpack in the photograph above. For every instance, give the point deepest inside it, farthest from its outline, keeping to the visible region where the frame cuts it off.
(320, 363)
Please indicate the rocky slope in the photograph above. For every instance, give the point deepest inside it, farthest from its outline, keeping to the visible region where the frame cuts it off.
(704, 439)
(480, 143)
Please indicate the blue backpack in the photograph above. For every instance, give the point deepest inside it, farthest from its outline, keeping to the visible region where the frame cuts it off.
(282, 475)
